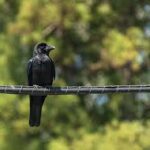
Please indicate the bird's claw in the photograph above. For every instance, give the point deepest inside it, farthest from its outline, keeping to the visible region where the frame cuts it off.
(36, 86)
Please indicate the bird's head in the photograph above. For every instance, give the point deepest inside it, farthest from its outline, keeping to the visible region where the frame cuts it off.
(43, 48)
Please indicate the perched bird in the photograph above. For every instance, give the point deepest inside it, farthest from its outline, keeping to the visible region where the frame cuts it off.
(40, 72)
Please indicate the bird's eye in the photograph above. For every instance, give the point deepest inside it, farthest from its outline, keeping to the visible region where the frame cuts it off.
(42, 47)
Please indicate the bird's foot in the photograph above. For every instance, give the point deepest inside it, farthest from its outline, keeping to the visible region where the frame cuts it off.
(36, 86)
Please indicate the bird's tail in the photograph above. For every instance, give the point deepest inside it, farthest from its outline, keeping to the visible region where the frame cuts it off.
(36, 103)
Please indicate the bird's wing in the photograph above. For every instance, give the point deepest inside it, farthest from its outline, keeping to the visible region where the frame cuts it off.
(53, 69)
(29, 72)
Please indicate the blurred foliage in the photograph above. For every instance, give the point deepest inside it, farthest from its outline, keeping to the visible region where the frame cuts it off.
(115, 136)
(97, 42)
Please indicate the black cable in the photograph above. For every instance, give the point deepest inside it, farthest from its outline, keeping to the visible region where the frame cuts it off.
(67, 90)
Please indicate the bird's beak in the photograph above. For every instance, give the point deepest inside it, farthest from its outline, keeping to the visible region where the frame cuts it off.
(49, 48)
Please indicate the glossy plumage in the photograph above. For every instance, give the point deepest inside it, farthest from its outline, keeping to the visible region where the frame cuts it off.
(40, 71)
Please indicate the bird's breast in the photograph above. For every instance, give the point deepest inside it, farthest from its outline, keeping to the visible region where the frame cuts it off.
(41, 71)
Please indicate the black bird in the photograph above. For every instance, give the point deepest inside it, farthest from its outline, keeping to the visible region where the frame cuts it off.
(41, 72)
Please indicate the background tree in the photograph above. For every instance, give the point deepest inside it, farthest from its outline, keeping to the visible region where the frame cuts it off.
(97, 42)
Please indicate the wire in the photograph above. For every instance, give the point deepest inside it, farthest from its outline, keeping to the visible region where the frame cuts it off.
(68, 90)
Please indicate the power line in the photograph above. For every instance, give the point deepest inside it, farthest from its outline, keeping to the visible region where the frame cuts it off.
(68, 90)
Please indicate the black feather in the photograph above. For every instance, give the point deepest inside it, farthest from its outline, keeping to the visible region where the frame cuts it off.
(40, 71)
